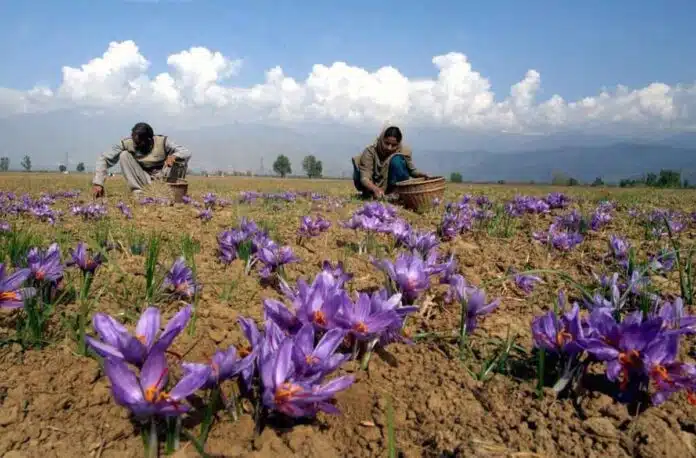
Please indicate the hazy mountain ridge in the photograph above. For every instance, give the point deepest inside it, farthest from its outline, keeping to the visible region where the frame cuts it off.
(612, 163)
(244, 146)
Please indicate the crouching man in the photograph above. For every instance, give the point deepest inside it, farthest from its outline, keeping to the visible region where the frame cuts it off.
(142, 157)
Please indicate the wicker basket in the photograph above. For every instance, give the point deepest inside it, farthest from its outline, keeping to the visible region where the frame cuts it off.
(179, 189)
(418, 194)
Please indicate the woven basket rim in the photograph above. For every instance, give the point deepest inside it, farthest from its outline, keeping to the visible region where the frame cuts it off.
(420, 181)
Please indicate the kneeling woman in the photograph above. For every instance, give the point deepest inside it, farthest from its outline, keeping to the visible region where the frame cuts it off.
(383, 164)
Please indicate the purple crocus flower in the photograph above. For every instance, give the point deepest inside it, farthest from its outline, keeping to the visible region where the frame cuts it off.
(12, 295)
(223, 366)
(313, 362)
(5, 226)
(273, 257)
(46, 265)
(619, 247)
(667, 376)
(408, 273)
(380, 302)
(125, 210)
(621, 345)
(253, 336)
(146, 396)
(312, 228)
(294, 396)
(117, 343)
(283, 317)
(675, 320)
(559, 334)
(337, 272)
(82, 259)
(526, 282)
(476, 306)
(362, 320)
(180, 280)
(205, 215)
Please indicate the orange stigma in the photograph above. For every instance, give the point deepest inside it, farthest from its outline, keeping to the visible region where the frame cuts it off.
(9, 296)
(285, 392)
(691, 397)
(360, 327)
(628, 360)
(563, 337)
(243, 351)
(660, 373)
(319, 318)
(153, 394)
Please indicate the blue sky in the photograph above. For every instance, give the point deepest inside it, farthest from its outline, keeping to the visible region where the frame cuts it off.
(578, 47)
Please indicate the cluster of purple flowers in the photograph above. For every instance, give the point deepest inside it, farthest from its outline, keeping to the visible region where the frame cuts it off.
(639, 350)
(288, 365)
(90, 211)
(179, 280)
(460, 217)
(39, 208)
(326, 305)
(250, 243)
(44, 267)
(205, 214)
(125, 209)
(313, 227)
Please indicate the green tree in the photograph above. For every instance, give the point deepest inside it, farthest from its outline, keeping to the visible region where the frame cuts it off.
(651, 179)
(4, 164)
(598, 182)
(669, 179)
(282, 165)
(573, 182)
(312, 166)
(456, 177)
(26, 163)
(559, 178)
(80, 167)
(62, 168)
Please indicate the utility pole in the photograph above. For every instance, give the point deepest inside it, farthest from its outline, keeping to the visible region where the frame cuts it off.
(262, 172)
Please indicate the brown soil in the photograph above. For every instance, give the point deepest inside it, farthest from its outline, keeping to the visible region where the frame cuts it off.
(54, 402)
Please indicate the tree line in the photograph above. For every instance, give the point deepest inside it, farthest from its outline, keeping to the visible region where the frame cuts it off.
(27, 165)
(666, 178)
(312, 166)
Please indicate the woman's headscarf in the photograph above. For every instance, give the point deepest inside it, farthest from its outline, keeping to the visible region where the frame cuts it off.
(401, 149)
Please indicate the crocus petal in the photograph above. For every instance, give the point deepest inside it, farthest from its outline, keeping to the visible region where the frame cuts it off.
(148, 326)
(108, 328)
(103, 349)
(15, 280)
(124, 383)
(194, 379)
(153, 375)
(329, 343)
(283, 362)
(304, 339)
(174, 328)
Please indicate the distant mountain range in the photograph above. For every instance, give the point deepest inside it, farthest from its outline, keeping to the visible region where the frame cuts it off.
(585, 163)
(478, 156)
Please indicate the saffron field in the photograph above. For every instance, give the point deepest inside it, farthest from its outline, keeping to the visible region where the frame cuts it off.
(269, 317)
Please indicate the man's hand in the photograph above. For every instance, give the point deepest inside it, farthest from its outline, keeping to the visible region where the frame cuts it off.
(170, 160)
(97, 191)
(379, 194)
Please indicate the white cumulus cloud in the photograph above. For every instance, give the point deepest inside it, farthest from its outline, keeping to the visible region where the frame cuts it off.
(199, 87)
